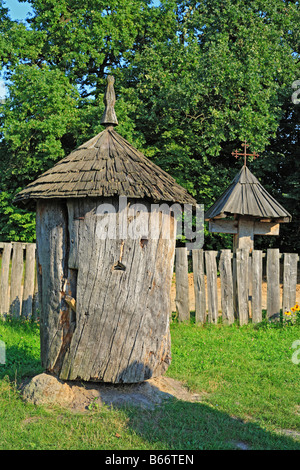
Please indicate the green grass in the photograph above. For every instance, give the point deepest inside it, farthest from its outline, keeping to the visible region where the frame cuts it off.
(248, 384)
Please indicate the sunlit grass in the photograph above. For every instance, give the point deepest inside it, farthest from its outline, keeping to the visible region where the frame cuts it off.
(247, 383)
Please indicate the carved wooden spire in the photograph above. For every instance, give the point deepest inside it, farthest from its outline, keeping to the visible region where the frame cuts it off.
(109, 117)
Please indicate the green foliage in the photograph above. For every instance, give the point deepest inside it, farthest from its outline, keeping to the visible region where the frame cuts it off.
(82, 39)
(40, 110)
(39, 114)
(22, 354)
(225, 77)
(16, 224)
(193, 80)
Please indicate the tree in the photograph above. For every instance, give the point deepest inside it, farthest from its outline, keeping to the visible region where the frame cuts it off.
(37, 117)
(280, 168)
(56, 64)
(222, 79)
(195, 80)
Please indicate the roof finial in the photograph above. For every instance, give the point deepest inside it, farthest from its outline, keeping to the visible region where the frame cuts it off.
(245, 154)
(109, 117)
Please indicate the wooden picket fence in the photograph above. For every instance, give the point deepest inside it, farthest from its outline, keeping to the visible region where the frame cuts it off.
(226, 285)
(229, 285)
(18, 282)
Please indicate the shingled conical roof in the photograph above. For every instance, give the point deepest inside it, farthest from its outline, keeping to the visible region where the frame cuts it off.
(246, 196)
(106, 166)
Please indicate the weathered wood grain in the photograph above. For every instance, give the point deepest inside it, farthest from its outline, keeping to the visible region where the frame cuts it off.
(242, 271)
(36, 303)
(247, 196)
(29, 281)
(223, 226)
(16, 289)
(273, 282)
(107, 165)
(212, 287)
(225, 268)
(256, 302)
(266, 228)
(245, 236)
(119, 327)
(290, 263)
(199, 286)
(182, 285)
(51, 231)
(4, 281)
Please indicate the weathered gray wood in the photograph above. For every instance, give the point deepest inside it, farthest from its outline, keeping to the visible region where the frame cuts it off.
(182, 285)
(245, 236)
(24, 245)
(223, 226)
(212, 287)
(199, 286)
(36, 303)
(118, 303)
(75, 218)
(29, 281)
(225, 269)
(273, 282)
(289, 281)
(55, 327)
(256, 304)
(16, 288)
(242, 275)
(266, 228)
(234, 281)
(4, 281)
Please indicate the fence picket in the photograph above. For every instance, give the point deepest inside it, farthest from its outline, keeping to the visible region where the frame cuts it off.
(35, 305)
(199, 286)
(212, 287)
(242, 274)
(17, 265)
(235, 280)
(256, 297)
(273, 282)
(182, 285)
(29, 281)
(4, 282)
(289, 280)
(225, 269)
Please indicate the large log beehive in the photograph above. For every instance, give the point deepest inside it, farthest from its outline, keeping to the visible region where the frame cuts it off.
(105, 300)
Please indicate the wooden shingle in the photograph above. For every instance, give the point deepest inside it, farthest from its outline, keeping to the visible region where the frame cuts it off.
(106, 165)
(247, 197)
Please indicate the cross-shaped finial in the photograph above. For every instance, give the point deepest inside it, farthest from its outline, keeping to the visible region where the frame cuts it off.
(245, 154)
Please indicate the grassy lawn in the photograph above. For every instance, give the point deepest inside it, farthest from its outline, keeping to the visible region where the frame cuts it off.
(248, 384)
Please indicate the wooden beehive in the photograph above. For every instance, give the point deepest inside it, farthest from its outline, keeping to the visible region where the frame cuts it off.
(105, 301)
(246, 209)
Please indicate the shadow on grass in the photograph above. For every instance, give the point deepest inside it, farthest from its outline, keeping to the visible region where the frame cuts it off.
(183, 425)
(21, 343)
(175, 425)
(20, 362)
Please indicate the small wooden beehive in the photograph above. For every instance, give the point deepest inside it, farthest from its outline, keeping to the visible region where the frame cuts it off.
(246, 209)
(105, 301)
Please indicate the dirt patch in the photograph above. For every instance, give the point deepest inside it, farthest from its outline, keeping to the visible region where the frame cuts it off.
(192, 293)
(45, 389)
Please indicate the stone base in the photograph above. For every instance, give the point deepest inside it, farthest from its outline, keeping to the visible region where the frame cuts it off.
(46, 389)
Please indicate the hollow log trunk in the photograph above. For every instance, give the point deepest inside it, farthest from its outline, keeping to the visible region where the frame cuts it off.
(105, 297)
